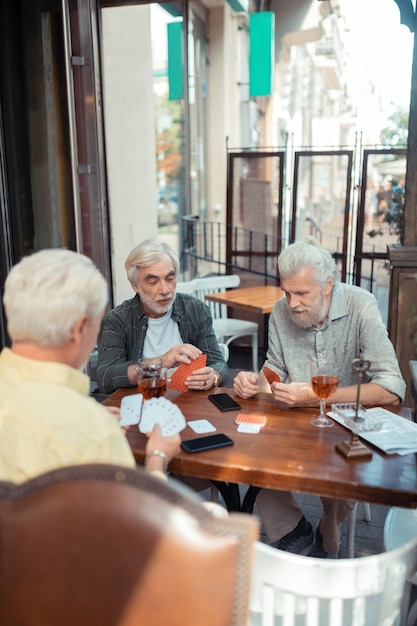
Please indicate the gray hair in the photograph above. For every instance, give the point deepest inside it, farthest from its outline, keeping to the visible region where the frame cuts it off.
(147, 252)
(308, 253)
(47, 292)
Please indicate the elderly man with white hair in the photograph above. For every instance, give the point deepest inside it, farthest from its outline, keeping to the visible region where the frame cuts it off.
(319, 319)
(54, 302)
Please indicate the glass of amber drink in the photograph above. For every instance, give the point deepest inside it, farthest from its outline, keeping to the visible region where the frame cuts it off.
(152, 378)
(324, 385)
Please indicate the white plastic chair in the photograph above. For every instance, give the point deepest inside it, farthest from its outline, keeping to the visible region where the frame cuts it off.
(225, 351)
(189, 287)
(227, 329)
(185, 287)
(401, 526)
(351, 526)
(289, 589)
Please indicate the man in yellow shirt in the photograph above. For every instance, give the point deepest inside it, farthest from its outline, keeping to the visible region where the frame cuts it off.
(54, 302)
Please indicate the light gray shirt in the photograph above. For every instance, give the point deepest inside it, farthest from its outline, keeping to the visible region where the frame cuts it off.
(353, 328)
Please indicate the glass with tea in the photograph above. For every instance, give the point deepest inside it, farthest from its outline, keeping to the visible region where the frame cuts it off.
(152, 378)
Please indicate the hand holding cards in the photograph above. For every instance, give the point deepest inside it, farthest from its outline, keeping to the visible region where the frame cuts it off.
(270, 375)
(154, 411)
(185, 370)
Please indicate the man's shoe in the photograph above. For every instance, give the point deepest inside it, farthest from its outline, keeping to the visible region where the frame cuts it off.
(318, 551)
(298, 541)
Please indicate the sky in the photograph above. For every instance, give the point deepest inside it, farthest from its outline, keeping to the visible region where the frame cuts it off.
(387, 45)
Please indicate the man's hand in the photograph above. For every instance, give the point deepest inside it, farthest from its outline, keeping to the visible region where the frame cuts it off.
(168, 446)
(294, 394)
(246, 385)
(181, 353)
(201, 379)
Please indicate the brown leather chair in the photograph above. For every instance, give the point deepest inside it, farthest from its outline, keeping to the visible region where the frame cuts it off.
(102, 545)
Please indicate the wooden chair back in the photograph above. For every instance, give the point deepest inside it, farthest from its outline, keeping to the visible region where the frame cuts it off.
(101, 545)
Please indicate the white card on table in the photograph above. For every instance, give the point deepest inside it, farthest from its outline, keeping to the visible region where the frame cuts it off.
(249, 428)
(201, 426)
(163, 412)
(130, 409)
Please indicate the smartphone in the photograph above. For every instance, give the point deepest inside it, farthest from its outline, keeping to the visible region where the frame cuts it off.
(224, 402)
(219, 440)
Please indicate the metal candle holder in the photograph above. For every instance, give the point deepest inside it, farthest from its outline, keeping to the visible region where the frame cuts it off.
(355, 448)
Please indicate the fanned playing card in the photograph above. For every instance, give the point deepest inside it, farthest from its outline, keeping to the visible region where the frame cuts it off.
(130, 409)
(184, 371)
(163, 412)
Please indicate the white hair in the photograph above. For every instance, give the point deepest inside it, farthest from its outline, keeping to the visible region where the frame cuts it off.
(307, 254)
(47, 292)
(146, 253)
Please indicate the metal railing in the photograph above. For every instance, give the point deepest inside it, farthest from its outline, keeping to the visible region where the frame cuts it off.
(219, 248)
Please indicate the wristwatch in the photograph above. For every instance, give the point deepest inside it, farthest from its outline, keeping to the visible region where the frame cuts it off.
(216, 379)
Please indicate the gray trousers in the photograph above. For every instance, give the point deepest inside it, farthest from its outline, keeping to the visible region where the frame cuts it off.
(280, 514)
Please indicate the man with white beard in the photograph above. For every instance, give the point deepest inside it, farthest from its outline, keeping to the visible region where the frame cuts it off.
(319, 319)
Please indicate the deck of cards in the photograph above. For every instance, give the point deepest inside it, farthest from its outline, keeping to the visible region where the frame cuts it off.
(250, 423)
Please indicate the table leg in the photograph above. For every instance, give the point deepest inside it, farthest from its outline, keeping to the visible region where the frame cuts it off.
(230, 493)
(249, 499)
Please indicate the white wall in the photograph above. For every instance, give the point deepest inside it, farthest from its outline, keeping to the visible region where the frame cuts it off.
(130, 134)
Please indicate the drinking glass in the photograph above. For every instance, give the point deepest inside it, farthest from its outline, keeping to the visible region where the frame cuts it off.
(324, 384)
(152, 378)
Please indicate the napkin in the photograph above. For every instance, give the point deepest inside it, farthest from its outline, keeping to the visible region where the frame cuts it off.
(183, 371)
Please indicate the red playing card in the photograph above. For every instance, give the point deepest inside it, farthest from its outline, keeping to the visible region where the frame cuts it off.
(183, 371)
(242, 418)
(270, 375)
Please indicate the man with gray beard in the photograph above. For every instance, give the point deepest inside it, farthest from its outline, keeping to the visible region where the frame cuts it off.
(157, 322)
(319, 319)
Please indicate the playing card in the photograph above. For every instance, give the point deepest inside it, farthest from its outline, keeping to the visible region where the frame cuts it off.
(201, 426)
(243, 418)
(183, 371)
(163, 412)
(253, 429)
(130, 409)
(270, 375)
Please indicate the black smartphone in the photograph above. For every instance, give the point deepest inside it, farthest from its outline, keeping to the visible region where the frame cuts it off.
(199, 444)
(224, 402)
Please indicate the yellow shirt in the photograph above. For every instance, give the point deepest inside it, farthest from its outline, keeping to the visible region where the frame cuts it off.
(47, 420)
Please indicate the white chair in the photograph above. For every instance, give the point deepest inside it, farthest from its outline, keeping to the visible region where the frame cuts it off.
(351, 526)
(225, 351)
(289, 589)
(185, 287)
(189, 287)
(400, 526)
(227, 329)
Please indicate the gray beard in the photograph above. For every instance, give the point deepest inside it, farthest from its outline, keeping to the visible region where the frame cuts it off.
(311, 318)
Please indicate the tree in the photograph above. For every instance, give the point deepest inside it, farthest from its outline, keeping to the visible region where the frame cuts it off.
(396, 133)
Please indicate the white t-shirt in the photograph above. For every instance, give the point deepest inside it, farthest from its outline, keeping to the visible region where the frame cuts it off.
(162, 334)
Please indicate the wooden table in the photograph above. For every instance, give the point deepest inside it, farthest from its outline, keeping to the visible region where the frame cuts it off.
(289, 454)
(260, 299)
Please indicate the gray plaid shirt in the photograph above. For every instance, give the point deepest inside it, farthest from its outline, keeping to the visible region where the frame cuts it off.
(123, 334)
